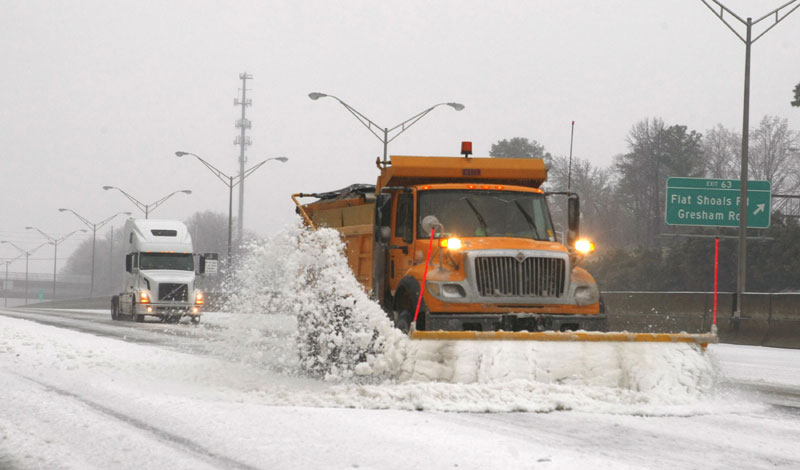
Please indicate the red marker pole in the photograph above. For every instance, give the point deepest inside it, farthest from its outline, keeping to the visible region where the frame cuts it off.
(716, 281)
(424, 275)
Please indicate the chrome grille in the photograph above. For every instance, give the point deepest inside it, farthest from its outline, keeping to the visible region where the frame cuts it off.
(170, 291)
(505, 276)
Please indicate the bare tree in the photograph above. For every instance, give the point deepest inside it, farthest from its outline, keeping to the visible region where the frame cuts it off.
(595, 186)
(773, 157)
(657, 151)
(721, 150)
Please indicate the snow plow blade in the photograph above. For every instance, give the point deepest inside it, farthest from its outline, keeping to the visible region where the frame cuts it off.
(703, 339)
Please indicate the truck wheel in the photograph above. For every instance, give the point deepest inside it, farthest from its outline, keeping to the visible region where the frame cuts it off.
(404, 319)
(195, 319)
(406, 304)
(138, 318)
(115, 307)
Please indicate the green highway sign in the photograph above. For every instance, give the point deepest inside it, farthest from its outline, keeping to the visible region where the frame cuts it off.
(715, 203)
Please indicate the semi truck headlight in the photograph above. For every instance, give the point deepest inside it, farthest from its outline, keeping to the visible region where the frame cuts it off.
(586, 295)
(198, 297)
(144, 297)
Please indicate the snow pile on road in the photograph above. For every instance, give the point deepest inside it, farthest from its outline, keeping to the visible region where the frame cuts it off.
(346, 338)
(341, 333)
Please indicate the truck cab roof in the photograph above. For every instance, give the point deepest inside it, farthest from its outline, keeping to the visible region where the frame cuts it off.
(157, 235)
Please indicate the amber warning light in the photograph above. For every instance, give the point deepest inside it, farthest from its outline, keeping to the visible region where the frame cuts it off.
(466, 149)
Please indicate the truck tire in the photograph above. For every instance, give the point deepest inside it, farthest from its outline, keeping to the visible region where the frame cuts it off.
(115, 307)
(134, 316)
(405, 305)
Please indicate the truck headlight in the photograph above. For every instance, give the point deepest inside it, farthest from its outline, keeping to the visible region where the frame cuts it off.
(198, 297)
(584, 246)
(586, 295)
(144, 297)
(450, 243)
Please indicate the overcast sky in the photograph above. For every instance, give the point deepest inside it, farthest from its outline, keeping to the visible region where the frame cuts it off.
(104, 92)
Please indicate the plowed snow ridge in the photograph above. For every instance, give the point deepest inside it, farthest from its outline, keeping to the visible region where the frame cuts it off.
(345, 338)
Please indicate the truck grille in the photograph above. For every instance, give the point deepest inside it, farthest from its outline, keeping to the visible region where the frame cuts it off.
(168, 291)
(505, 276)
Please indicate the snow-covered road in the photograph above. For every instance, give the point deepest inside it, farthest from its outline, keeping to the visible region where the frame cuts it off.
(87, 393)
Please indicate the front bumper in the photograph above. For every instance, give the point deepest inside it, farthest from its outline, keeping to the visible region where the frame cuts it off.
(163, 310)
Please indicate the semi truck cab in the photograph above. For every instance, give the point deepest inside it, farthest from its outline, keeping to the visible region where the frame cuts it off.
(159, 273)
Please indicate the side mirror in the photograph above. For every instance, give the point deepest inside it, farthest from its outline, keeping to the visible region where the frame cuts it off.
(201, 265)
(383, 219)
(384, 234)
(129, 263)
(429, 222)
(573, 219)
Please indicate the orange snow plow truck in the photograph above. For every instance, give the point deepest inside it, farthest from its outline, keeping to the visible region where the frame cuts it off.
(496, 269)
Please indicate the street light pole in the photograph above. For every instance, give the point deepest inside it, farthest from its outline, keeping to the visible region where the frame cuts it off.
(228, 181)
(748, 42)
(55, 241)
(94, 228)
(371, 126)
(27, 256)
(146, 208)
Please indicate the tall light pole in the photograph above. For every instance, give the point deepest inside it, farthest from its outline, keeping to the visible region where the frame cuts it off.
(383, 135)
(748, 41)
(147, 208)
(27, 254)
(55, 241)
(230, 182)
(94, 228)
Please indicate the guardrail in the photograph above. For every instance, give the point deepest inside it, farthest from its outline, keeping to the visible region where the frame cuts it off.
(767, 319)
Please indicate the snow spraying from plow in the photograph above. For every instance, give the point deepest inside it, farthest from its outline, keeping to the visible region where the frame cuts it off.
(345, 338)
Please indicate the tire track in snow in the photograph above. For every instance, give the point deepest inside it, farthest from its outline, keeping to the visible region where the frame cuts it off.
(187, 445)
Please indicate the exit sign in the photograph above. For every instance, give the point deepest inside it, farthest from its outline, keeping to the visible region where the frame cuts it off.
(715, 202)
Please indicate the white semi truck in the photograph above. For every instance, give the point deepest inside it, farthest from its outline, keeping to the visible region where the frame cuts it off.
(159, 273)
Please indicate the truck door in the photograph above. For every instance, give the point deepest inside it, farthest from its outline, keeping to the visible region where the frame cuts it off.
(400, 249)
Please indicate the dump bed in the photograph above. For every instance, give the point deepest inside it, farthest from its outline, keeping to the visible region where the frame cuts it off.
(351, 212)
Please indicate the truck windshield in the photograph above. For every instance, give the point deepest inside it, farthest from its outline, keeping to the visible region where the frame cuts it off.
(174, 261)
(475, 213)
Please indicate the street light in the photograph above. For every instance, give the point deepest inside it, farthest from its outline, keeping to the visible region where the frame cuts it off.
(748, 42)
(27, 255)
(229, 182)
(147, 208)
(371, 126)
(94, 228)
(55, 242)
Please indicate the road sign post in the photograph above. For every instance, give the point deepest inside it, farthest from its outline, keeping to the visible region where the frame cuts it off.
(715, 202)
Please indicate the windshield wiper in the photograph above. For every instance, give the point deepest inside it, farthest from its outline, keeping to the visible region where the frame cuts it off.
(528, 218)
(478, 215)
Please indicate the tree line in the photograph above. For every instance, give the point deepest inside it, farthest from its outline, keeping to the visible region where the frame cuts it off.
(623, 205)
